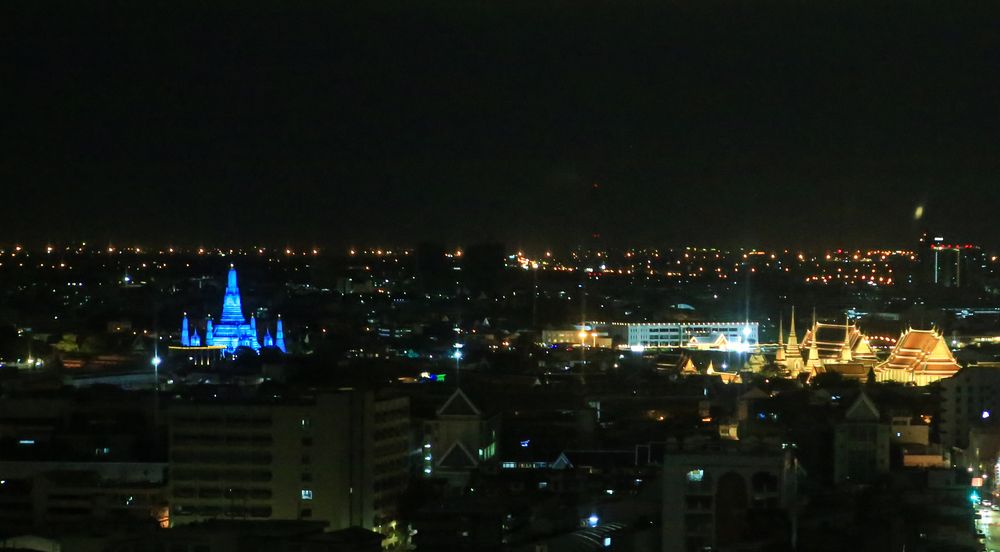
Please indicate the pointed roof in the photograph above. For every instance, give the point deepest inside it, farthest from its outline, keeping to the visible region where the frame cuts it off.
(689, 367)
(923, 351)
(846, 349)
(862, 410)
(458, 404)
(457, 457)
(779, 354)
(792, 349)
(831, 338)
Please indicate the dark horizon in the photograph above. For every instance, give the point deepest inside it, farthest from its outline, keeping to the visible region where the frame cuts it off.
(386, 123)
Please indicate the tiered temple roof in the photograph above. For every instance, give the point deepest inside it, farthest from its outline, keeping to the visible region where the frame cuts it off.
(233, 330)
(921, 353)
(830, 340)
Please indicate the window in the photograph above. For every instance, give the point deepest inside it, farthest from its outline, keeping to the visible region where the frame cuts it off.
(307, 494)
(695, 475)
(305, 423)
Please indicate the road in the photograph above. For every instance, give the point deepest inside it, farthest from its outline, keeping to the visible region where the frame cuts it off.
(989, 524)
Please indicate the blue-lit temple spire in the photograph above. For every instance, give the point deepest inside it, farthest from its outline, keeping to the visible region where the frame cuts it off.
(232, 305)
(279, 339)
(231, 330)
(268, 340)
(185, 339)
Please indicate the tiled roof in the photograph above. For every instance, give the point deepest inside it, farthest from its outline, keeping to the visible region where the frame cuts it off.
(922, 351)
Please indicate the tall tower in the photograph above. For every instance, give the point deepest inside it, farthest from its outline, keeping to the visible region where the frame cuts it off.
(185, 334)
(232, 305)
(813, 360)
(779, 356)
(845, 350)
(792, 350)
(209, 334)
(279, 338)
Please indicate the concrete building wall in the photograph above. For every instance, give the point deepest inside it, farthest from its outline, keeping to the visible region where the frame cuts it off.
(706, 495)
(676, 334)
(964, 398)
(861, 451)
(314, 460)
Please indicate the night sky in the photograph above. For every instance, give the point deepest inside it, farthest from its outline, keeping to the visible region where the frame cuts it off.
(701, 123)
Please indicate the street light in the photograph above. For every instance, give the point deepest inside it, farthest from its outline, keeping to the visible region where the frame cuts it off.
(156, 370)
(457, 355)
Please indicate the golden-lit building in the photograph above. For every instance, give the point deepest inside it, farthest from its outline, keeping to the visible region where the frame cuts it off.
(825, 348)
(919, 357)
(838, 342)
(576, 336)
(789, 356)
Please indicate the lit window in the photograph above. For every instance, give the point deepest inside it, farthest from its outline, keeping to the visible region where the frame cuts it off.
(307, 494)
(695, 475)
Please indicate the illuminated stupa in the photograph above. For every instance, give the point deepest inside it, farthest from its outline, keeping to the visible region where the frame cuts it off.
(232, 330)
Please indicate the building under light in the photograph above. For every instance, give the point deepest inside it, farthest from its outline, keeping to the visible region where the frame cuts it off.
(232, 331)
(920, 357)
(731, 336)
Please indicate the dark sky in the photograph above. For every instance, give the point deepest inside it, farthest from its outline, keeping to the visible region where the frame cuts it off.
(703, 122)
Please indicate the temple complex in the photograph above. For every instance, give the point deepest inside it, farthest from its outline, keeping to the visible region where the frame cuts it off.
(920, 357)
(838, 342)
(825, 348)
(232, 330)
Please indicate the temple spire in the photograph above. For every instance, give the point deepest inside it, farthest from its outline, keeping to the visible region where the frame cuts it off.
(779, 356)
(232, 304)
(185, 335)
(845, 350)
(279, 338)
(793, 340)
(209, 334)
(812, 360)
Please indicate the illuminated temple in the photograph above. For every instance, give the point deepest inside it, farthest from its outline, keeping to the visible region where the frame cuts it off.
(232, 330)
(840, 348)
(919, 357)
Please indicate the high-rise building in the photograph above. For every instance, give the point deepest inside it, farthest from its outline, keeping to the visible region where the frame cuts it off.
(949, 264)
(967, 398)
(339, 457)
